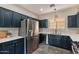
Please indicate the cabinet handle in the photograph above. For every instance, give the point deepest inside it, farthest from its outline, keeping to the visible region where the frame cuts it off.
(4, 52)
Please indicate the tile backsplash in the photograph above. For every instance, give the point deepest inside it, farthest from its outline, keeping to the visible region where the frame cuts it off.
(13, 31)
(61, 31)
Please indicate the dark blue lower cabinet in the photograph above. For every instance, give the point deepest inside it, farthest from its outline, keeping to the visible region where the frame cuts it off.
(66, 42)
(54, 40)
(58, 38)
(12, 47)
(7, 48)
(0, 48)
(60, 41)
(50, 39)
(63, 42)
(69, 43)
(20, 47)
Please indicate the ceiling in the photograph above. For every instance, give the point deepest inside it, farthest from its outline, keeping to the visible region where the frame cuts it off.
(35, 8)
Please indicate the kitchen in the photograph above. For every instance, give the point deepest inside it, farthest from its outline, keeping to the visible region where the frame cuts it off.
(38, 28)
(15, 29)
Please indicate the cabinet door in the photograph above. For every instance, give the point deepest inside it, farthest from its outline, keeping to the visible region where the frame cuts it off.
(51, 40)
(8, 48)
(66, 42)
(6, 16)
(43, 23)
(16, 21)
(20, 46)
(12, 47)
(58, 39)
(78, 19)
(0, 48)
(1, 18)
(63, 42)
(54, 40)
(72, 21)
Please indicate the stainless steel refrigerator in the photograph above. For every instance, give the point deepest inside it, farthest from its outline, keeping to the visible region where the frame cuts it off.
(29, 30)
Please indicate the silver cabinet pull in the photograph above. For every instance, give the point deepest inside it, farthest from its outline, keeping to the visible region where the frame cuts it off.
(4, 52)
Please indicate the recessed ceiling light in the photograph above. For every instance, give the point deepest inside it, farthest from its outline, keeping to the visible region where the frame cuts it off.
(41, 9)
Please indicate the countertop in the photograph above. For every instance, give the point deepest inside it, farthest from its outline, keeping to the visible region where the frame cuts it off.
(74, 36)
(10, 39)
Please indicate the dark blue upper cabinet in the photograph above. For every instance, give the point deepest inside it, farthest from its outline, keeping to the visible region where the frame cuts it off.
(5, 17)
(78, 19)
(16, 21)
(72, 21)
(10, 18)
(43, 23)
(1, 18)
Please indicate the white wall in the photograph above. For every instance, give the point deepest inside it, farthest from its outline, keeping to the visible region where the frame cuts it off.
(19, 9)
(63, 16)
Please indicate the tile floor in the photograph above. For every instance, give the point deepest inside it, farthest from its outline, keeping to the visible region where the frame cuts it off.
(46, 49)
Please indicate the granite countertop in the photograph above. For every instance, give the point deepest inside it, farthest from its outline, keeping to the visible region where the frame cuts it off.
(10, 39)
